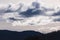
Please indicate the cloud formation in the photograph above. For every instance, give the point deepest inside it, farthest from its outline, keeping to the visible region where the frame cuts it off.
(33, 14)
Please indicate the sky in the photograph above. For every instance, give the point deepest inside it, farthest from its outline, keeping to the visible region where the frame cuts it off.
(36, 20)
(13, 1)
(49, 3)
(54, 4)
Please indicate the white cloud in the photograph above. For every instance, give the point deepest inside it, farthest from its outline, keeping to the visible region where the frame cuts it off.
(3, 7)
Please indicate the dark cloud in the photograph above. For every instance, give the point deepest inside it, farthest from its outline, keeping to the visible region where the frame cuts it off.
(14, 19)
(36, 4)
(57, 19)
(30, 13)
(56, 14)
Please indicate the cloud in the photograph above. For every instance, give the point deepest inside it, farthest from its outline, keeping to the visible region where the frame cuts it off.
(20, 14)
(57, 19)
(30, 13)
(3, 8)
(57, 13)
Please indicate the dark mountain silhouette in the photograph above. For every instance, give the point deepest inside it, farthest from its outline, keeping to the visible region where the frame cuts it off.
(13, 35)
(48, 36)
(28, 35)
(53, 36)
